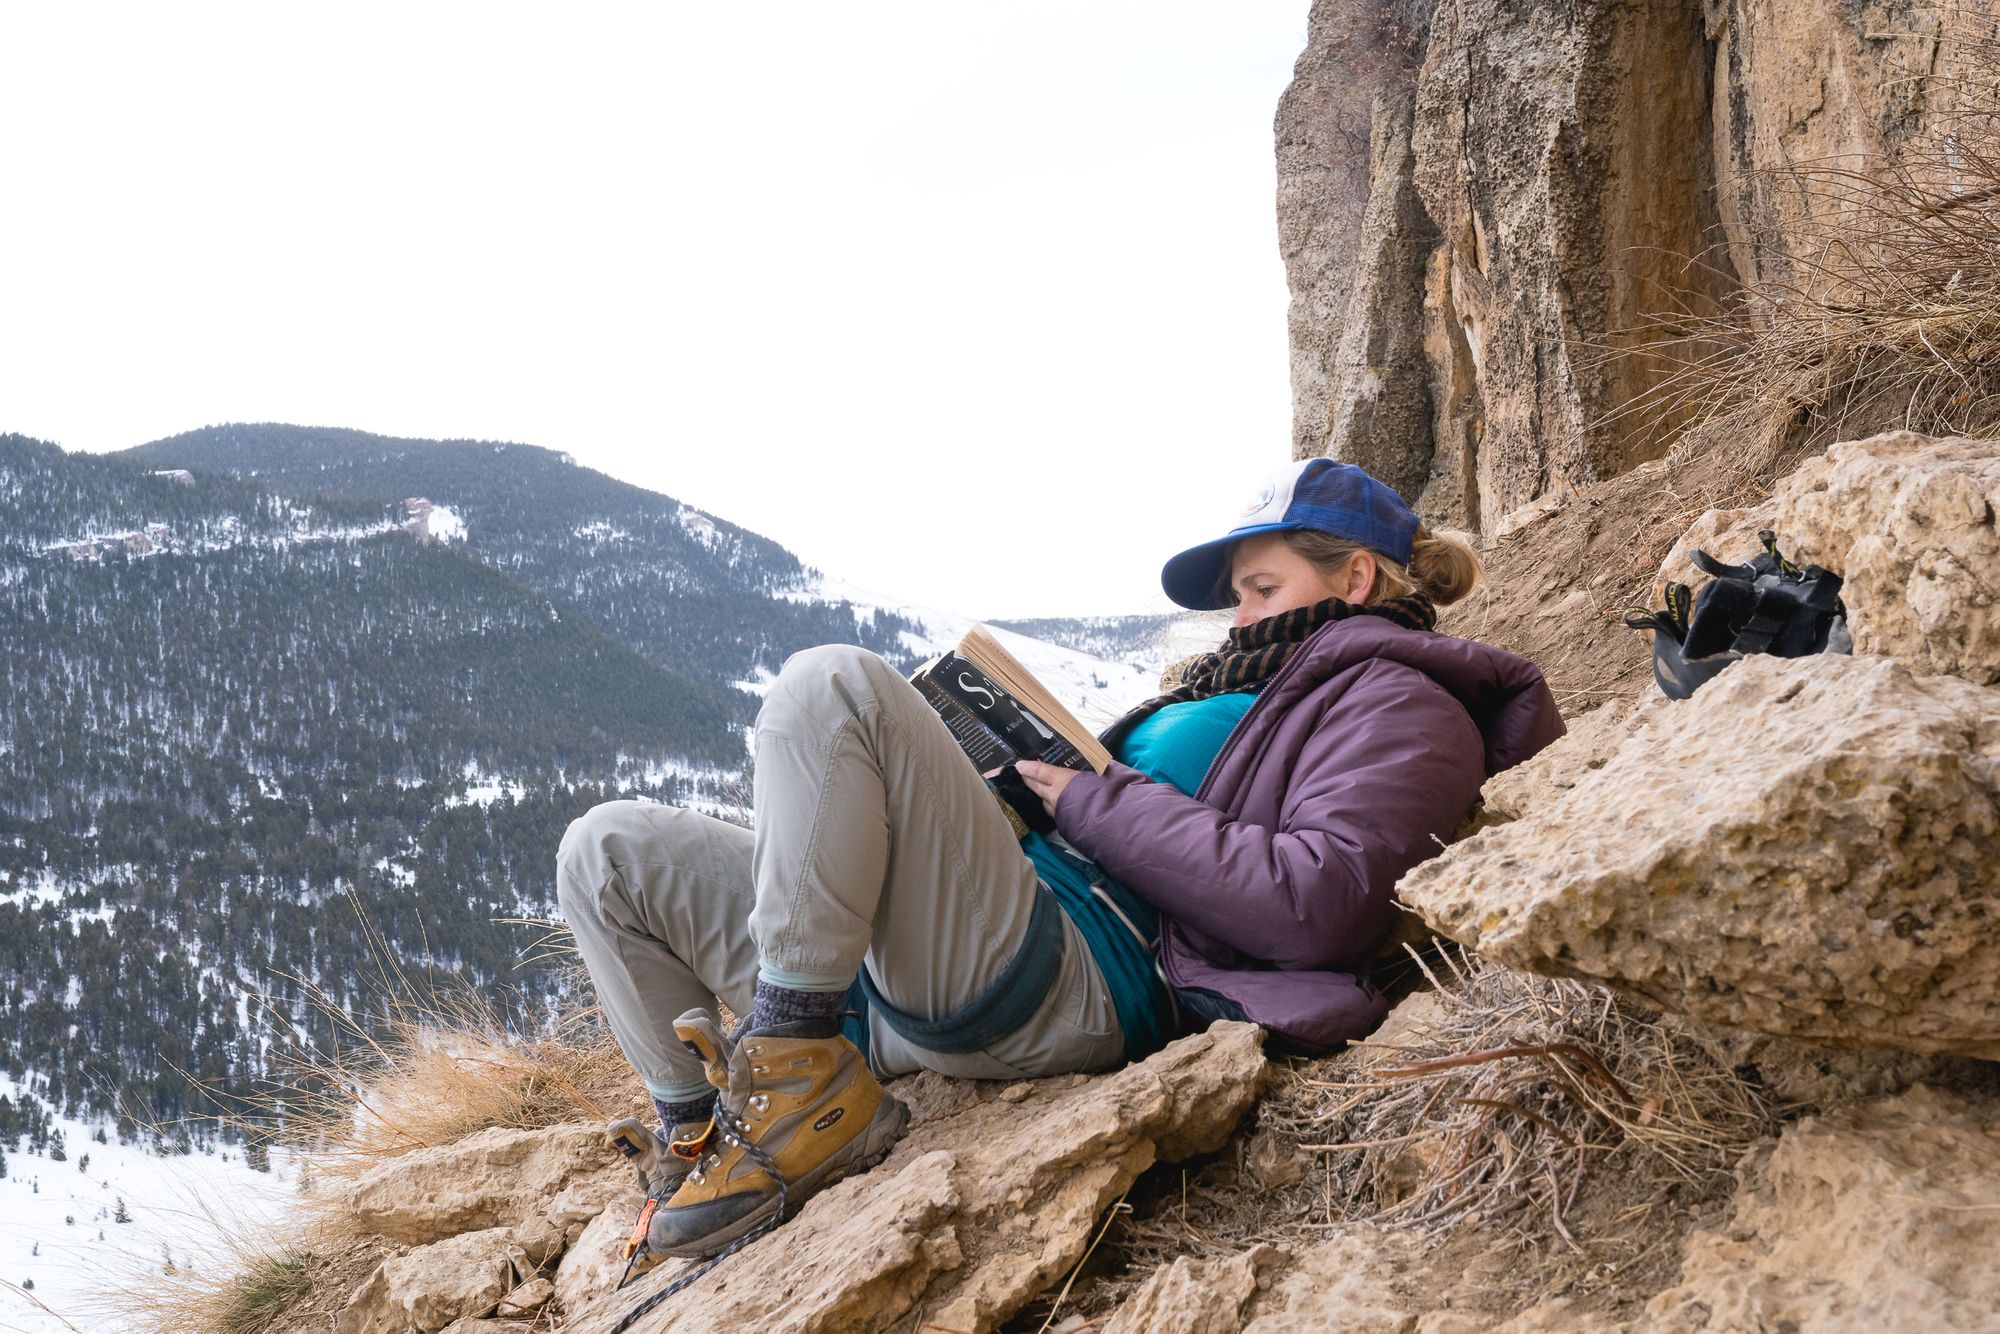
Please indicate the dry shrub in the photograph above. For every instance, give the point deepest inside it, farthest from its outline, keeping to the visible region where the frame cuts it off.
(422, 1066)
(1544, 1118)
(430, 1067)
(1882, 310)
(241, 1289)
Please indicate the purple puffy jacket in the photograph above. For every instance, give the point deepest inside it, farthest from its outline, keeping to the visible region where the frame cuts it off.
(1275, 880)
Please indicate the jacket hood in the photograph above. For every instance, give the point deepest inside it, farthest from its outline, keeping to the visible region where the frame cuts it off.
(1505, 694)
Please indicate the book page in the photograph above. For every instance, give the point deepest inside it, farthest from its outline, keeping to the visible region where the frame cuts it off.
(986, 748)
(1006, 671)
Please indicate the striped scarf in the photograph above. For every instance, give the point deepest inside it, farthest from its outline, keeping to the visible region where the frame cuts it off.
(1255, 653)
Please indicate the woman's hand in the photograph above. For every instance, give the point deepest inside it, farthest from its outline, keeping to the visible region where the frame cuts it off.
(1046, 781)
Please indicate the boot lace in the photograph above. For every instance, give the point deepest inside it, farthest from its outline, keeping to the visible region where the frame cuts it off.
(733, 1131)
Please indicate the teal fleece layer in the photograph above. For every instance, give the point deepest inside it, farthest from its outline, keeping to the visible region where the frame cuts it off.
(1174, 746)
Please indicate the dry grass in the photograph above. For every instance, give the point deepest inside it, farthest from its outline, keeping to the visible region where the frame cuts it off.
(1881, 311)
(245, 1291)
(422, 1067)
(1544, 1119)
(427, 1065)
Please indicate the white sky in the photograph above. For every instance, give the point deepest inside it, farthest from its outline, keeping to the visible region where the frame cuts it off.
(859, 277)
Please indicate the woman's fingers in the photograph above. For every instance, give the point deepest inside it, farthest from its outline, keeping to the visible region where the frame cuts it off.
(1046, 781)
(1039, 776)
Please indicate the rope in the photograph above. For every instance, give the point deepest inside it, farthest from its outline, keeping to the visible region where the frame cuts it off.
(731, 1134)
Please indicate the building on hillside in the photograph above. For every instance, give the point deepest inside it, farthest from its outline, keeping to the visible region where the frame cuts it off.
(417, 518)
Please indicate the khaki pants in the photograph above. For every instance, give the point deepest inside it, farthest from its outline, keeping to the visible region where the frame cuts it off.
(874, 839)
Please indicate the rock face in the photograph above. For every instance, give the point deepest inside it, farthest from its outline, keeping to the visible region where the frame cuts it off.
(1355, 53)
(1908, 521)
(1808, 848)
(1561, 165)
(491, 1179)
(1877, 1216)
(594, 1263)
(434, 1285)
(1573, 758)
(1347, 1282)
(983, 1205)
(1191, 1296)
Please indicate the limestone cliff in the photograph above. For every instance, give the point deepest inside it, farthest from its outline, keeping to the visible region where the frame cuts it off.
(1464, 235)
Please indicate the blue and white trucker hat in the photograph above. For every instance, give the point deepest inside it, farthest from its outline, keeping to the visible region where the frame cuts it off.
(1318, 494)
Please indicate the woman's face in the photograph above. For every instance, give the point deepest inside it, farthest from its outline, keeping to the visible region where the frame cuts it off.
(1268, 577)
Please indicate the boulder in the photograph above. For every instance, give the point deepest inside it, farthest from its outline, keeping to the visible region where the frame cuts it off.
(984, 1204)
(433, 1286)
(1348, 1282)
(527, 1299)
(1189, 1296)
(595, 1262)
(494, 1178)
(1879, 1216)
(1809, 848)
(1800, 1076)
(1908, 522)
(856, 1257)
(1572, 758)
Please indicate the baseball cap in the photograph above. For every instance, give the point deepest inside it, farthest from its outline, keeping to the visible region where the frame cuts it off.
(1317, 494)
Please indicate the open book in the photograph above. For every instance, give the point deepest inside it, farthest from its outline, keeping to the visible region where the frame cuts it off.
(998, 712)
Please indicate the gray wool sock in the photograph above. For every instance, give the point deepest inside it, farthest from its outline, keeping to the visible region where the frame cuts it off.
(802, 1014)
(675, 1114)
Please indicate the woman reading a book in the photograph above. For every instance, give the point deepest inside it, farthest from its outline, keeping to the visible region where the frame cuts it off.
(1236, 859)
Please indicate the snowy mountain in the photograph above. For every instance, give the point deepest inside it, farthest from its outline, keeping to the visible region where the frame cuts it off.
(1095, 688)
(288, 713)
(327, 723)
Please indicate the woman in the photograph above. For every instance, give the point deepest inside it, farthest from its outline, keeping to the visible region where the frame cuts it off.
(1237, 862)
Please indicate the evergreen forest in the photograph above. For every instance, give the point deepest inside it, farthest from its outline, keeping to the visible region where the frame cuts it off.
(263, 747)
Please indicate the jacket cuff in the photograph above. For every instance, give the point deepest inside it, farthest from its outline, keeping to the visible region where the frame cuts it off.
(1083, 799)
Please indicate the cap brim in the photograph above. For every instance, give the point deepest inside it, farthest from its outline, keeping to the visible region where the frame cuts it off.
(1191, 578)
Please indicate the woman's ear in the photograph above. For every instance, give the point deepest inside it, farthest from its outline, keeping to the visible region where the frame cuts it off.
(1358, 579)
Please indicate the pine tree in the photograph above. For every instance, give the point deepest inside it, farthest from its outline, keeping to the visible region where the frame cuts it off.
(121, 1214)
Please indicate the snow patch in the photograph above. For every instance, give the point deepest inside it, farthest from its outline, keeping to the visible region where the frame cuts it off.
(446, 525)
(183, 1205)
(483, 789)
(401, 875)
(33, 889)
(601, 531)
(1095, 689)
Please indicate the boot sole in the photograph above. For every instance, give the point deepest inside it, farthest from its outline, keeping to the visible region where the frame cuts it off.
(870, 1147)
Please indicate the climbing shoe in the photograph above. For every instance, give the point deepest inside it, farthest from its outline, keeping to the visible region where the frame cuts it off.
(795, 1114)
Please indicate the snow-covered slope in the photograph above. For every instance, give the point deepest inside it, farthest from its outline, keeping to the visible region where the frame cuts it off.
(62, 1248)
(1095, 689)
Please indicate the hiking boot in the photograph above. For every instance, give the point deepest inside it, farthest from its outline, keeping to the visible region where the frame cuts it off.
(805, 1108)
(662, 1162)
(652, 1154)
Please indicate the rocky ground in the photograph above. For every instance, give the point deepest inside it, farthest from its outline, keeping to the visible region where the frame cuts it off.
(1710, 1043)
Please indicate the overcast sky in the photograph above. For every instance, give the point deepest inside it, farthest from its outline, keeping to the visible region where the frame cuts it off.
(977, 305)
